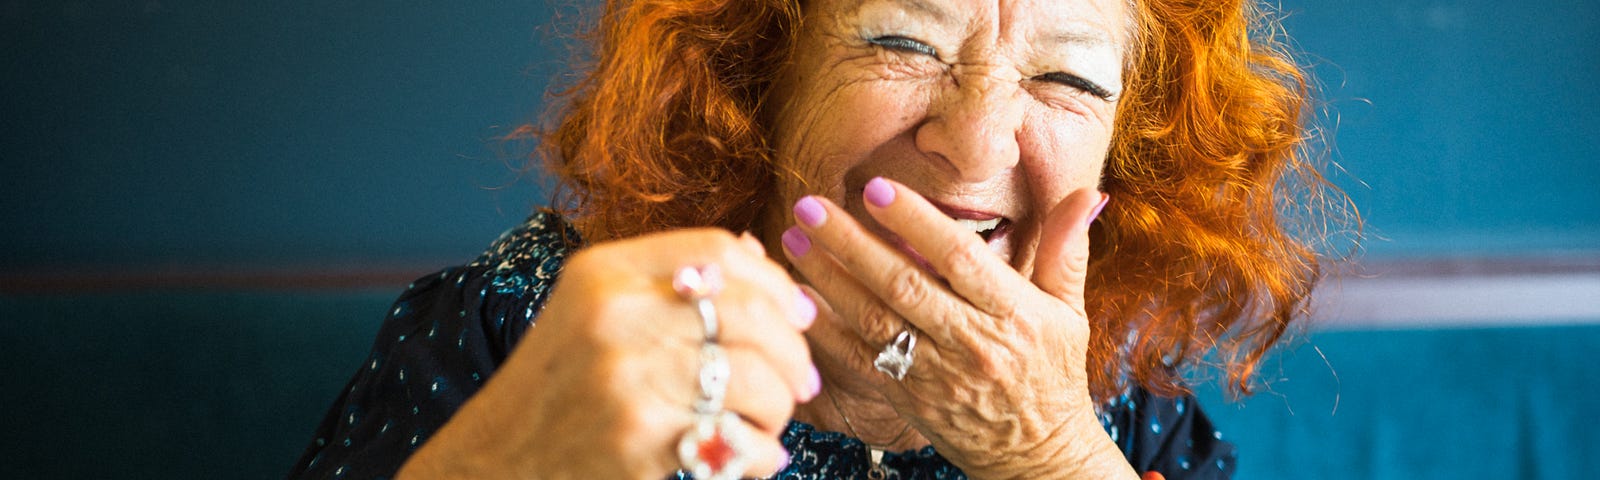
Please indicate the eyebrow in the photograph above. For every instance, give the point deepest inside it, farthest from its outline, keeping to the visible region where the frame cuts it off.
(1083, 38)
(938, 13)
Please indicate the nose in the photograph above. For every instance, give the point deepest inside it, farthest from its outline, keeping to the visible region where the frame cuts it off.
(973, 126)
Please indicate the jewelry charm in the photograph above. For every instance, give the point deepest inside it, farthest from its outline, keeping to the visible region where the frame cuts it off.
(717, 447)
(714, 373)
(895, 359)
(875, 468)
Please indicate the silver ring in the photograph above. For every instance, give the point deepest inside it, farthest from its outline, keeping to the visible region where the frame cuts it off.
(714, 374)
(895, 359)
(697, 284)
(716, 447)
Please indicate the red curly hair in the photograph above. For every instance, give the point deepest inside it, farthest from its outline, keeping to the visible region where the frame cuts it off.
(1210, 166)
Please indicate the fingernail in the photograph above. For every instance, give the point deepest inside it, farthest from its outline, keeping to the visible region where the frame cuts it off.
(814, 385)
(1093, 214)
(810, 212)
(805, 309)
(879, 192)
(752, 244)
(783, 460)
(796, 241)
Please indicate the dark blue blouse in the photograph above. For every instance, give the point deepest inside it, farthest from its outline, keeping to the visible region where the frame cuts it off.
(448, 332)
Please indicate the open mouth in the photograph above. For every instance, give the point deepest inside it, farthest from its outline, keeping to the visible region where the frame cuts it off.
(988, 229)
(993, 228)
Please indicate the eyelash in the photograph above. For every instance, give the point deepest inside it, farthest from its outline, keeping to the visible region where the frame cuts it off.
(904, 44)
(1077, 82)
(895, 42)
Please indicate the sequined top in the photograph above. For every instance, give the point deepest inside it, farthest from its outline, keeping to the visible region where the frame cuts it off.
(448, 332)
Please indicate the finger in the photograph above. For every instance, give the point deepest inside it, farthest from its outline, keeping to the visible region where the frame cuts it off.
(657, 257)
(756, 393)
(749, 321)
(958, 254)
(762, 453)
(1063, 261)
(893, 280)
(868, 319)
(770, 458)
(836, 346)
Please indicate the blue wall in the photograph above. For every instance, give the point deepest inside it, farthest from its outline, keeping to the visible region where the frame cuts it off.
(154, 132)
(1472, 123)
(283, 132)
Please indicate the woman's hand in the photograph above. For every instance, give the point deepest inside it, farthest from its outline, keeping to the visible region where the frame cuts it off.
(603, 385)
(998, 382)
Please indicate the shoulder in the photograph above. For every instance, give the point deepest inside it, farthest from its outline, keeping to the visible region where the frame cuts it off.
(539, 245)
(499, 294)
(439, 342)
(1171, 435)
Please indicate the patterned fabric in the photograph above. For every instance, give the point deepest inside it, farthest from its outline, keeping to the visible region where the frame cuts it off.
(449, 331)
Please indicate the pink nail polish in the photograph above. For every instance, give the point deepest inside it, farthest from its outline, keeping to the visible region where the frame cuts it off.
(879, 192)
(783, 461)
(814, 385)
(796, 241)
(810, 212)
(805, 309)
(1095, 213)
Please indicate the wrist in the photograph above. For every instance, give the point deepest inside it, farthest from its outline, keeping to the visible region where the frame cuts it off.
(1077, 449)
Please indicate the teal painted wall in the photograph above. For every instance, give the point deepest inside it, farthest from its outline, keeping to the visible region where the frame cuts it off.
(1472, 123)
(286, 132)
(157, 132)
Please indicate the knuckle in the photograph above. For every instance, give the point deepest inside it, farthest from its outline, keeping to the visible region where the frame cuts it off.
(1078, 262)
(962, 258)
(996, 367)
(875, 323)
(907, 286)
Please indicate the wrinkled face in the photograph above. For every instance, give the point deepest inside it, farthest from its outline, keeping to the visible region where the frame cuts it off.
(994, 110)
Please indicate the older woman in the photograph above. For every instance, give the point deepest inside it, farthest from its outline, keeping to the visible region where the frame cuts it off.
(977, 238)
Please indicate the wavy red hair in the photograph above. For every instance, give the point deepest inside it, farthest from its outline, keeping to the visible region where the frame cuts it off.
(1210, 168)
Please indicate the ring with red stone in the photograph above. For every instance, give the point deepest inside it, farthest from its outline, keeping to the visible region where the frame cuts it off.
(716, 447)
(697, 284)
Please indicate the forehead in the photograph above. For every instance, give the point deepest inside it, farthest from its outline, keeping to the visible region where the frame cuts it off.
(1082, 22)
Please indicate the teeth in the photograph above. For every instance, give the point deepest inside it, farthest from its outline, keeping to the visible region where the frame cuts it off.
(978, 226)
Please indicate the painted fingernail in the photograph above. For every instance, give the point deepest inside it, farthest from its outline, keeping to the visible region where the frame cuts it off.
(805, 309)
(814, 385)
(879, 192)
(810, 212)
(783, 460)
(1093, 214)
(796, 241)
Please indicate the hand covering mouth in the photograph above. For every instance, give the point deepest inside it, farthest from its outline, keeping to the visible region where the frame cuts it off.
(995, 230)
(989, 226)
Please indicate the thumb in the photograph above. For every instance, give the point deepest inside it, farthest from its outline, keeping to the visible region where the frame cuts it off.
(1063, 261)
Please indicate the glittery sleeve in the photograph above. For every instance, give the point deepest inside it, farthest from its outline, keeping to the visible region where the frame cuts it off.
(438, 343)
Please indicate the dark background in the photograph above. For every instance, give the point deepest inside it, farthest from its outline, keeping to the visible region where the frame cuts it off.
(141, 133)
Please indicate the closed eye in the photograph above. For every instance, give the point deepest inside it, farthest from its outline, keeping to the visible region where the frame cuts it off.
(1077, 82)
(903, 44)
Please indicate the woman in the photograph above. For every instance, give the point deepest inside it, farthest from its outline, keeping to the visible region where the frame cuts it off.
(930, 282)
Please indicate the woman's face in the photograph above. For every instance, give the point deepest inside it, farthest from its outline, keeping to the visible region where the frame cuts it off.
(994, 110)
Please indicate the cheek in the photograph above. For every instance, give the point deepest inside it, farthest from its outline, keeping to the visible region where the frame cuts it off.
(1061, 156)
(827, 134)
